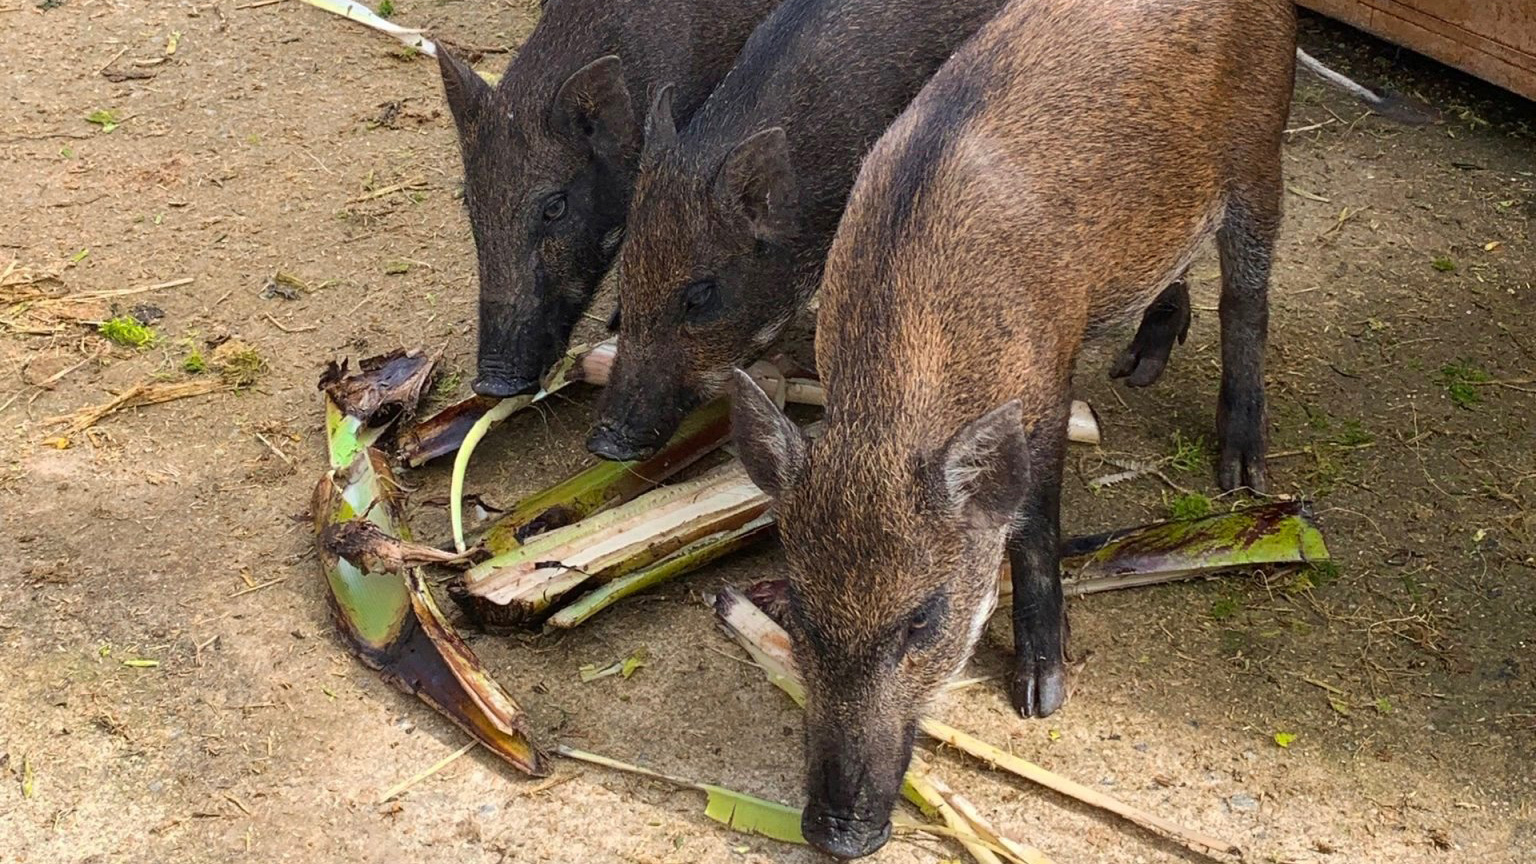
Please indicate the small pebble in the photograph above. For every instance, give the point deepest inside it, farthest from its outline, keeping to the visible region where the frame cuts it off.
(1242, 802)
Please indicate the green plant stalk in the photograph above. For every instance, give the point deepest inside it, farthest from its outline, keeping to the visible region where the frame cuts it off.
(685, 560)
(526, 582)
(604, 484)
(579, 364)
(391, 620)
(634, 535)
(371, 611)
(503, 409)
(624, 517)
(538, 598)
(652, 518)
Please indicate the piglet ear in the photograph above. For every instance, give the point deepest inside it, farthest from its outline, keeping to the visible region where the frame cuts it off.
(983, 470)
(592, 108)
(467, 92)
(756, 183)
(660, 125)
(770, 445)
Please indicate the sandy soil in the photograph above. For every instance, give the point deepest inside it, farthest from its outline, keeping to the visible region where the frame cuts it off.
(280, 139)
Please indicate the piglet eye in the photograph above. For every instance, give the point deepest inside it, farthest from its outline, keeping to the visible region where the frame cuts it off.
(701, 299)
(554, 208)
(923, 627)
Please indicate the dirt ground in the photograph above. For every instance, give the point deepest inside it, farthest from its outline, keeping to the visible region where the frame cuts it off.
(278, 139)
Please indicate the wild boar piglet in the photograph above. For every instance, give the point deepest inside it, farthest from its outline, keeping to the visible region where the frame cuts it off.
(1058, 173)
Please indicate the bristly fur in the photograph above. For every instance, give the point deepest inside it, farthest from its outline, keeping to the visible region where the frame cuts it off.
(747, 196)
(1057, 172)
(564, 119)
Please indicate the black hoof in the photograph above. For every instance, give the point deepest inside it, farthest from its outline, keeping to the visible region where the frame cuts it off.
(1039, 687)
(498, 387)
(845, 839)
(611, 444)
(1164, 323)
(1243, 468)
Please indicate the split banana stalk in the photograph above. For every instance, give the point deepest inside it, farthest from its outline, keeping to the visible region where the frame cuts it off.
(644, 531)
(382, 607)
(460, 427)
(1283, 532)
(664, 533)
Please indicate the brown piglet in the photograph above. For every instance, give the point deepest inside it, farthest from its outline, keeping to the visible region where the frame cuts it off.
(1055, 175)
(550, 155)
(733, 213)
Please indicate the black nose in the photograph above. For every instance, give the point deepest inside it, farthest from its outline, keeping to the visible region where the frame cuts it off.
(503, 386)
(617, 445)
(843, 838)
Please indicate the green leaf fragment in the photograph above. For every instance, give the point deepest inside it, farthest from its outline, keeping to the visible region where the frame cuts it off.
(80, 256)
(1284, 739)
(107, 120)
(628, 666)
(633, 662)
(142, 663)
(1190, 506)
(126, 330)
(1281, 533)
(752, 815)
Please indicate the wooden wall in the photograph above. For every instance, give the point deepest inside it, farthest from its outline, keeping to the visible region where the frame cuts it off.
(1492, 39)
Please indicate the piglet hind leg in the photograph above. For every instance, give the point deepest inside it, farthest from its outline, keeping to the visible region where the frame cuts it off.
(1164, 322)
(1040, 631)
(1246, 242)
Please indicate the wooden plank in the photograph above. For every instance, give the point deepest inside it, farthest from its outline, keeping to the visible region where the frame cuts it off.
(1492, 39)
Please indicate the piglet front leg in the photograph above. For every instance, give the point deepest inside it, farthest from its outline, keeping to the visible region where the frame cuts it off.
(1040, 631)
